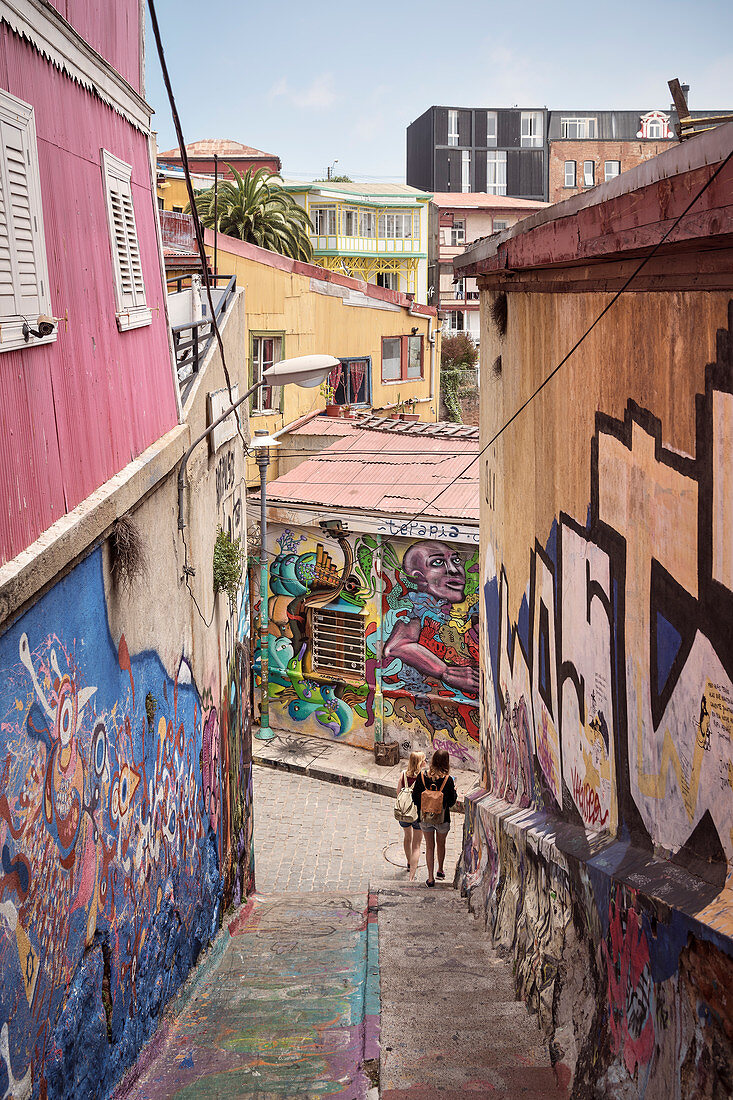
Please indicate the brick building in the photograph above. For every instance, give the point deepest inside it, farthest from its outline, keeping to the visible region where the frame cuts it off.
(201, 157)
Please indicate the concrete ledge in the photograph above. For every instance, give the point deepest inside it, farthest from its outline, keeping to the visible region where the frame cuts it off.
(58, 546)
(333, 762)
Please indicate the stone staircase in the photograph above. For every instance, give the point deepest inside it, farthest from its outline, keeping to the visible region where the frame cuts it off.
(451, 1026)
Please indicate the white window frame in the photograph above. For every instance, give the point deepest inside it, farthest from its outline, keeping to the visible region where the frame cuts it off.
(456, 321)
(612, 168)
(320, 215)
(452, 127)
(259, 365)
(571, 173)
(531, 130)
(496, 172)
(458, 232)
(589, 173)
(573, 129)
(465, 171)
(18, 308)
(132, 309)
(498, 225)
(491, 129)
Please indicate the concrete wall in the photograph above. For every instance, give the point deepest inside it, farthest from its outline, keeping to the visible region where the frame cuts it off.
(601, 854)
(125, 751)
(414, 626)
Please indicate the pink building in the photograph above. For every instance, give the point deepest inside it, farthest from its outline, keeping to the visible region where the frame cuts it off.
(456, 220)
(90, 391)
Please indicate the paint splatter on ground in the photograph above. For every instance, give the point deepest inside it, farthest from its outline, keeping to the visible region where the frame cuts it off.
(285, 1005)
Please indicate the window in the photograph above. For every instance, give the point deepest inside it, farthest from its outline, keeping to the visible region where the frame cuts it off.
(499, 224)
(402, 358)
(457, 320)
(399, 226)
(390, 280)
(491, 128)
(452, 127)
(654, 129)
(465, 170)
(531, 129)
(496, 173)
(349, 222)
(578, 128)
(324, 220)
(266, 351)
(177, 209)
(570, 177)
(613, 169)
(458, 232)
(459, 288)
(23, 275)
(338, 643)
(351, 381)
(589, 173)
(132, 311)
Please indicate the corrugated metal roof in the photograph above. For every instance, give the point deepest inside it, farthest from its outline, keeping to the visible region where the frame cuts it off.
(223, 147)
(328, 425)
(386, 472)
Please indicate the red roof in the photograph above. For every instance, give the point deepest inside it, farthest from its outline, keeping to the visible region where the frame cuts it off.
(223, 147)
(388, 471)
(479, 200)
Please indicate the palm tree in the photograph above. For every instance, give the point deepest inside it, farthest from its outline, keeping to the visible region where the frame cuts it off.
(255, 207)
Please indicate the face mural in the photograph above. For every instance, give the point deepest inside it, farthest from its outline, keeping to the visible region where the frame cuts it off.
(418, 600)
(115, 825)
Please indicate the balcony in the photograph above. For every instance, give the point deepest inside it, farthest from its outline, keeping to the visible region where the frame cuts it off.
(190, 319)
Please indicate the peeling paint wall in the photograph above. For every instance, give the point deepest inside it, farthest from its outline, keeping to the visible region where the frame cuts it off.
(601, 854)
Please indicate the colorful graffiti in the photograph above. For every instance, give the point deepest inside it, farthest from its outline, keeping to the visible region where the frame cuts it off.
(417, 673)
(111, 823)
(609, 707)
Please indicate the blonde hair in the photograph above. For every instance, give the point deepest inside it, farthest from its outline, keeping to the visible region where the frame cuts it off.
(415, 764)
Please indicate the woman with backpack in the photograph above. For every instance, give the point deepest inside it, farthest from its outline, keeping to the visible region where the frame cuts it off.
(411, 831)
(434, 792)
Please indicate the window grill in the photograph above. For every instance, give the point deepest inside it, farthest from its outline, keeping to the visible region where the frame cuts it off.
(338, 643)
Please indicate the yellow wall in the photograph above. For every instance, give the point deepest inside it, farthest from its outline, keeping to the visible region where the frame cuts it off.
(281, 301)
(173, 193)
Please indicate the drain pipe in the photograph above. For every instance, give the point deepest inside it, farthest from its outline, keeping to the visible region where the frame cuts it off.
(432, 341)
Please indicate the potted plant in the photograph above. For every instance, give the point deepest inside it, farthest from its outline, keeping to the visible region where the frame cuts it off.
(409, 411)
(328, 391)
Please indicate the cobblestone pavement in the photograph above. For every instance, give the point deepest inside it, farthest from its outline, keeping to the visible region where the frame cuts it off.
(311, 835)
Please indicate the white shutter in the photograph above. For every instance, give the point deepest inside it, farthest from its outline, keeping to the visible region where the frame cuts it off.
(129, 286)
(22, 220)
(7, 289)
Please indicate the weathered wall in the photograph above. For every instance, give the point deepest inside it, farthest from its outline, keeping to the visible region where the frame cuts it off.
(125, 806)
(608, 690)
(420, 602)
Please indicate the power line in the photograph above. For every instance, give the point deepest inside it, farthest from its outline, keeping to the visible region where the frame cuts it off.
(577, 344)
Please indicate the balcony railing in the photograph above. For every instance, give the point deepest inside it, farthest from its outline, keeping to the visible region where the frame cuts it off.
(191, 323)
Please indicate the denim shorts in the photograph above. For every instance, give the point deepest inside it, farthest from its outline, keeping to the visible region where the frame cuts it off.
(443, 828)
(410, 824)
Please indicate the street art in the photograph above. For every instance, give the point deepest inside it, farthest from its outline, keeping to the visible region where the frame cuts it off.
(112, 812)
(417, 604)
(609, 706)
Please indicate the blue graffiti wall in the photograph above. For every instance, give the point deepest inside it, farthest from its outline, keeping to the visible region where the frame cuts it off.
(110, 882)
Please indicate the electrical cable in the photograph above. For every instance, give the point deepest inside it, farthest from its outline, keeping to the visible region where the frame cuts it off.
(575, 346)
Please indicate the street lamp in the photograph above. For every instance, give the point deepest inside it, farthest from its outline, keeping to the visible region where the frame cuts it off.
(307, 371)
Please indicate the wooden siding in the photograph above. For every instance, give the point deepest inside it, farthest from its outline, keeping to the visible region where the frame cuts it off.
(77, 411)
(112, 29)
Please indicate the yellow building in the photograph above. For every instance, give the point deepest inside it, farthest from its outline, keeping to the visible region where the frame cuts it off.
(171, 188)
(387, 344)
(374, 232)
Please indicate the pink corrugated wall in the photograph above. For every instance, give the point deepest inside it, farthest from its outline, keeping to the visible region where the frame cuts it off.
(72, 414)
(112, 28)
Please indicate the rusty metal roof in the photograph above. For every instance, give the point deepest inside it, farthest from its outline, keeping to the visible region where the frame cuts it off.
(327, 425)
(392, 472)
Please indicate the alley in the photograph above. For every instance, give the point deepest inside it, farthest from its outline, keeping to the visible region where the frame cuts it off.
(311, 835)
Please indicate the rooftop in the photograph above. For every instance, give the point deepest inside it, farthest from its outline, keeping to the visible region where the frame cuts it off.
(223, 147)
(365, 191)
(479, 200)
(391, 467)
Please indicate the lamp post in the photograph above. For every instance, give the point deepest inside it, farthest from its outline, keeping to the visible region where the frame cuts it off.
(261, 445)
(307, 371)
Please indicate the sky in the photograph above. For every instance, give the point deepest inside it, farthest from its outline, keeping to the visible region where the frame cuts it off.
(334, 84)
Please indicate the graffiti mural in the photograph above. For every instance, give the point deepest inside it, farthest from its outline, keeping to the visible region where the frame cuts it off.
(415, 607)
(609, 706)
(111, 820)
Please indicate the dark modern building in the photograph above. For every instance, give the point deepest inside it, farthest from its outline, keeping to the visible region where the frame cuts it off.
(499, 152)
(533, 153)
